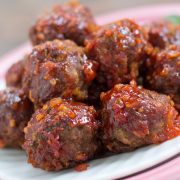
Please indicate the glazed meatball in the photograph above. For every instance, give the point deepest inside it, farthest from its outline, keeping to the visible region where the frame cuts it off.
(163, 73)
(15, 74)
(70, 21)
(118, 47)
(133, 117)
(162, 34)
(61, 135)
(58, 68)
(15, 112)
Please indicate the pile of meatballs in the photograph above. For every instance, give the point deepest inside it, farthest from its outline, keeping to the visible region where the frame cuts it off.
(85, 90)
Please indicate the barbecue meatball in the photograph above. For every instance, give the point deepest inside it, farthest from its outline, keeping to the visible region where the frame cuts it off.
(15, 74)
(163, 73)
(58, 68)
(15, 112)
(162, 34)
(133, 117)
(70, 21)
(118, 47)
(61, 135)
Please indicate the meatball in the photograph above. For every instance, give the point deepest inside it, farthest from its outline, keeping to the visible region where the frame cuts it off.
(133, 117)
(163, 73)
(61, 134)
(15, 74)
(58, 68)
(70, 21)
(162, 34)
(118, 47)
(15, 112)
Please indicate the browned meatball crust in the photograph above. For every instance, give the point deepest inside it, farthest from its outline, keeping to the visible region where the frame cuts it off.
(15, 112)
(61, 135)
(162, 34)
(133, 117)
(70, 21)
(15, 74)
(163, 73)
(58, 68)
(118, 47)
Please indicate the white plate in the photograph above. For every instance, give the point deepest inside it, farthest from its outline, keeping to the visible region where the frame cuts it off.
(2, 84)
(13, 165)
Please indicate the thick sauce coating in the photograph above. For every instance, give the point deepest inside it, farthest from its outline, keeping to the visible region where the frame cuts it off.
(162, 34)
(58, 68)
(70, 21)
(61, 135)
(133, 117)
(15, 112)
(15, 74)
(163, 73)
(118, 47)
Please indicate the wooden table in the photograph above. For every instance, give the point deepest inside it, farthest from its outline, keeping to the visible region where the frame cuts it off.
(16, 16)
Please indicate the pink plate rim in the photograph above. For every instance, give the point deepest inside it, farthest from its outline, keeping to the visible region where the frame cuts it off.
(150, 13)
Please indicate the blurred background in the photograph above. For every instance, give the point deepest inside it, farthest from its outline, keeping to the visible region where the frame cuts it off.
(16, 16)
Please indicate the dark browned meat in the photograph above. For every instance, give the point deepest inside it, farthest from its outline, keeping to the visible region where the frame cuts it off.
(162, 34)
(58, 68)
(15, 74)
(133, 117)
(119, 48)
(94, 92)
(15, 112)
(70, 21)
(163, 73)
(61, 135)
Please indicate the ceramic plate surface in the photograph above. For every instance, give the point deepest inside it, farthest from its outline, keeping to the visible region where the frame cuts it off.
(13, 165)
